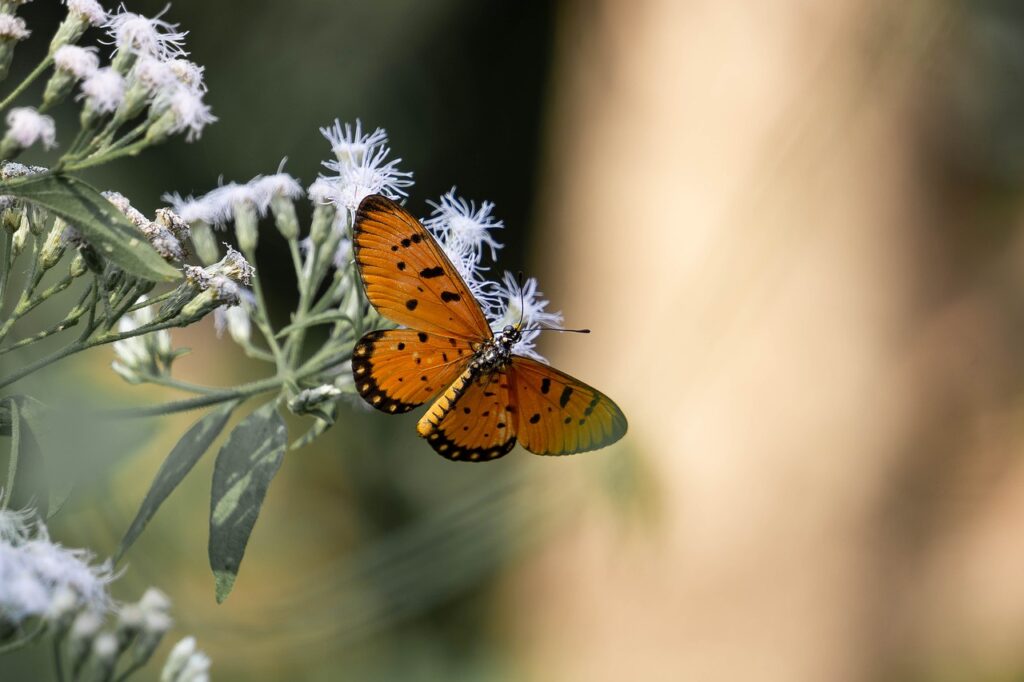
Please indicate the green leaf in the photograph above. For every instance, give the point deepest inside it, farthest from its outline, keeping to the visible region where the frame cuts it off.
(106, 228)
(245, 466)
(176, 466)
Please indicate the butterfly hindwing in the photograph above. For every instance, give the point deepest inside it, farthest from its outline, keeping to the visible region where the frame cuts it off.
(396, 370)
(408, 277)
(560, 415)
(475, 420)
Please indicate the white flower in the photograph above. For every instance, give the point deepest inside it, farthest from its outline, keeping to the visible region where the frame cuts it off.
(89, 10)
(153, 74)
(191, 209)
(15, 526)
(104, 647)
(103, 91)
(348, 142)
(190, 113)
(40, 578)
(265, 188)
(80, 62)
(525, 306)
(13, 28)
(144, 36)
(188, 73)
(362, 167)
(26, 126)
(322, 190)
(196, 669)
(463, 228)
(177, 659)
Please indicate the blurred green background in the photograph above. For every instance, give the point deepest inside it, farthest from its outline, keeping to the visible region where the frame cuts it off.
(797, 230)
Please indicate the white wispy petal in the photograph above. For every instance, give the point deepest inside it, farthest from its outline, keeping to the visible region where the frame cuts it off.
(26, 126)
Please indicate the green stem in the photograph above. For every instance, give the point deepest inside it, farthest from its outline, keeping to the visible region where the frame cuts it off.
(180, 385)
(84, 344)
(12, 466)
(58, 664)
(240, 392)
(29, 79)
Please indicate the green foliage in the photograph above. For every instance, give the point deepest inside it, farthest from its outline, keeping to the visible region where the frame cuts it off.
(245, 466)
(97, 219)
(176, 466)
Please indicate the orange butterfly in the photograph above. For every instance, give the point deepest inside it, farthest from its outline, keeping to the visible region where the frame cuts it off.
(490, 397)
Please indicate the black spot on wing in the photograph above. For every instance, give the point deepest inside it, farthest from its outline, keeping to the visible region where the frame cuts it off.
(563, 399)
(430, 273)
(545, 385)
(422, 337)
(450, 296)
(366, 384)
(535, 418)
(411, 304)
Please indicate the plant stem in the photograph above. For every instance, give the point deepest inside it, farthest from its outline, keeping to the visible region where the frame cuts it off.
(29, 79)
(241, 392)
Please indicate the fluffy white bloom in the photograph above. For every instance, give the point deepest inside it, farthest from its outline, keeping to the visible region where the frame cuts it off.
(266, 187)
(191, 113)
(185, 663)
(322, 190)
(80, 62)
(13, 28)
(141, 35)
(362, 167)
(103, 91)
(348, 142)
(217, 206)
(463, 228)
(89, 10)
(38, 577)
(526, 305)
(197, 668)
(188, 73)
(153, 74)
(26, 126)
(15, 526)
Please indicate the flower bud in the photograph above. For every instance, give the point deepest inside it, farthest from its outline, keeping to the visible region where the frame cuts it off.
(12, 30)
(178, 659)
(313, 400)
(62, 608)
(83, 630)
(205, 243)
(323, 218)
(53, 248)
(104, 656)
(246, 225)
(20, 237)
(81, 14)
(284, 217)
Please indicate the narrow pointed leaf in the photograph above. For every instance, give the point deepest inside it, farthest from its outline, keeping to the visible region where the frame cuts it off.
(245, 466)
(179, 462)
(106, 228)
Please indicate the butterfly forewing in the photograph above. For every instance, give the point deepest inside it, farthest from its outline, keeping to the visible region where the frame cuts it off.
(408, 277)
(561, 415)
(479, 424)
(396, 370)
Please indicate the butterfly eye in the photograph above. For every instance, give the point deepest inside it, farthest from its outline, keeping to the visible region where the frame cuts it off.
(508, 329)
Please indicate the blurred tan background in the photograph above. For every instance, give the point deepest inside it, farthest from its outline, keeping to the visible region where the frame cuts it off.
(795, 229)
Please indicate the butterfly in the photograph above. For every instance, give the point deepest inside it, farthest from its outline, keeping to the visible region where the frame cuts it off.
(485, 398)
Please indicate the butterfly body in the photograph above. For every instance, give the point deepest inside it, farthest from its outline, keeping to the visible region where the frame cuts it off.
(487, 396)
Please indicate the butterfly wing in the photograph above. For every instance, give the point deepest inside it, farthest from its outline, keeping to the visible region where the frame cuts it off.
(407, 275)
(474, 420)
(561, 415)
(396, 370)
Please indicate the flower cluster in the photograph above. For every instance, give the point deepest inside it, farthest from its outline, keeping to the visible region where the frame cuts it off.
(147, 82)
(42, 581)
(39, 578)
